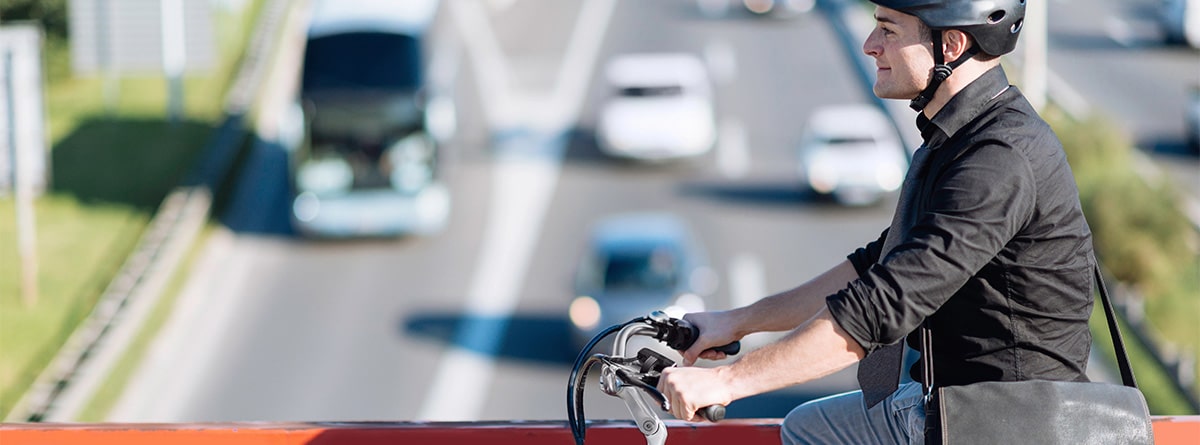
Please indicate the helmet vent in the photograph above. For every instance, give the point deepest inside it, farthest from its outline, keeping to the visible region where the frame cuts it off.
(1016, 26)
(996, 17)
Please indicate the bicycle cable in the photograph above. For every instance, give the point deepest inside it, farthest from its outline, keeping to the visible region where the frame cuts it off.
(576, 383)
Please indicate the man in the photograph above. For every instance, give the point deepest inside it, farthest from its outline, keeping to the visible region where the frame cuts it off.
(988, 248)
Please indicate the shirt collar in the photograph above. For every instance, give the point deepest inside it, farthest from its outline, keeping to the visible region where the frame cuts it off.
(963, 108)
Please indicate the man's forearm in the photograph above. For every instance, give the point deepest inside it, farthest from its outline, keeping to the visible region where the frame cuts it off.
(818, 348)
(786, 310)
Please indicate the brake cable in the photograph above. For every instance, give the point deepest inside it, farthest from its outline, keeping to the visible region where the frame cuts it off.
(675, 333)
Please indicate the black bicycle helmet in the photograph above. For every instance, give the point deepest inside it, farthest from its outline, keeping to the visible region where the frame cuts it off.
(994, 25)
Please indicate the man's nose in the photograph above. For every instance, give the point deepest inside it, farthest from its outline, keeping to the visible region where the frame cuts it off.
(871, 44)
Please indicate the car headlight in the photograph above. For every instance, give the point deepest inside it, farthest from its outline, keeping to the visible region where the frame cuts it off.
(684, 304)
(584, 312)
(325, 175)
(889, 177)
(411, 160)
(822, 177)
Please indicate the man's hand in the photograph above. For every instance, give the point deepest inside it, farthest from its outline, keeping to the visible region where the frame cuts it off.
(691, 389)
(716, 329)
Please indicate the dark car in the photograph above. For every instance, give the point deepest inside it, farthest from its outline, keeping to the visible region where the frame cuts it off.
(634, 264)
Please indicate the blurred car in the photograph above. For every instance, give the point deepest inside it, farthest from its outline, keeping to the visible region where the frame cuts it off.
(1181, 21)
(634, 264)
(778, 8)
(367, 161)
(853, 153)
(1193, 119)
(662, 108)
(761, 8)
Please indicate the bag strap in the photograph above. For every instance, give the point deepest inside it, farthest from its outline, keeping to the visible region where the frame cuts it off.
(1118, 344)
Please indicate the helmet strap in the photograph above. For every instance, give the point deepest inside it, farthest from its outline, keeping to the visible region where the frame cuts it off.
(941, 71)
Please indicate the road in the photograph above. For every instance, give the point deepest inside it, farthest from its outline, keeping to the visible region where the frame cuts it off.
(273, 327)
(1110, 53)
(469, 324)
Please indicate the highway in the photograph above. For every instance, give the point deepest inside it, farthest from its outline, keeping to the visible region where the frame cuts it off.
(273, 327)
(1109, 56)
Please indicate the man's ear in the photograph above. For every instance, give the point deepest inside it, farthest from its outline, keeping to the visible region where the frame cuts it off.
(954, 44)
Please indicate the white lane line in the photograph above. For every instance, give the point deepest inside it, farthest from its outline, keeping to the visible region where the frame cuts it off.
(747, 284)
(491, 69)
(574, 76)
(500, 5)
(733, 154)
(721, 59)
(1120, 31)
(747, 280)
(523, 185)
(521, 192)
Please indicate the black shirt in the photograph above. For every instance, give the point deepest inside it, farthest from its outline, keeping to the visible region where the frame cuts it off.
(999, 259)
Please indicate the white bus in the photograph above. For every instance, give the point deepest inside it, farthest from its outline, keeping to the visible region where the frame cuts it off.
(368, 161)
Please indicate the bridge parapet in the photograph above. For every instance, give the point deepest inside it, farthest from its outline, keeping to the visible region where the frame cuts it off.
(1168, 430)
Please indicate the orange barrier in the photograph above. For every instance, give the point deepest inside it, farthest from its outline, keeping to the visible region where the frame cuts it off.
(1168, 430)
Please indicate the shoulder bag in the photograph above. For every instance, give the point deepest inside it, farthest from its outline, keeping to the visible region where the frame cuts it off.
(1038, 411)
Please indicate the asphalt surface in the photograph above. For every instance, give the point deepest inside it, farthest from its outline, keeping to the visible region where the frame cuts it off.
(275, 327)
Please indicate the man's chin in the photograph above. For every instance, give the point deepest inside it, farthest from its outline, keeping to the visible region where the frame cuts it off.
(887, 94)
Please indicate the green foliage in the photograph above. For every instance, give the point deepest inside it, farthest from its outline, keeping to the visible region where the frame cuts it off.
(1140, 233)
(51, 14)
(1141, 236)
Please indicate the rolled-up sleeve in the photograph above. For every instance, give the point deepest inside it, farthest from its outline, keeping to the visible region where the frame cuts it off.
(978, 203)
(863, 257)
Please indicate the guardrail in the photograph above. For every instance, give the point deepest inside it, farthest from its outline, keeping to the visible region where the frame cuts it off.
(1178, 430)
(95, 346)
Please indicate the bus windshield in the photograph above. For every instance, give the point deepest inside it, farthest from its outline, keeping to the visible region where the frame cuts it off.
(362, 61)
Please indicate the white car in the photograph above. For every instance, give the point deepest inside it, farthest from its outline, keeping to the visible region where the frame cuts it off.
(760, 8)
(662, 108)
(1181, 21)
(853, 153)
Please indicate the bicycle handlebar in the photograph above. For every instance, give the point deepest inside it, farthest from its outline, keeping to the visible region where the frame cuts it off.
(643, 371)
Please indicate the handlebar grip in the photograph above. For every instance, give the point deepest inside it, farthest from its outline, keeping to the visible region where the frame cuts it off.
(713, 413)
(729, 349)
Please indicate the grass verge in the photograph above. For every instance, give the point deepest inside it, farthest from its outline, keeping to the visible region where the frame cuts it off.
(110, 391)
(114, 157)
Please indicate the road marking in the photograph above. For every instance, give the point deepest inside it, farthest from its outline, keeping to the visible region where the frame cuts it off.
(521, 192)
(722, 61)
(747, 280)
(491, 69)
(523, 185)
(574, 76)
(733, 154)
(1119, 31)
(500, 5)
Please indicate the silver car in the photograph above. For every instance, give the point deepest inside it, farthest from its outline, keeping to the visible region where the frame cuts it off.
(852, 152)
(634, 264)
(661, 108)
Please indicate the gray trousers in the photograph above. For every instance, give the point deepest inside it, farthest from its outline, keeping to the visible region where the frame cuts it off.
(843, 419)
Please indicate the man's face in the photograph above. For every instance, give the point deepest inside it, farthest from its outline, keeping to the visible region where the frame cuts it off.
(902, 52)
